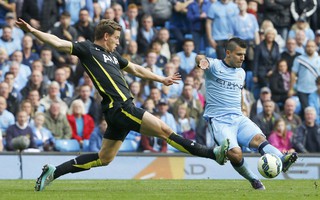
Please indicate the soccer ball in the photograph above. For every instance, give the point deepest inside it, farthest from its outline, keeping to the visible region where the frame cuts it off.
(269, 165)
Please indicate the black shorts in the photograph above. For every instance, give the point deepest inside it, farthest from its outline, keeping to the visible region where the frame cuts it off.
(122, 119)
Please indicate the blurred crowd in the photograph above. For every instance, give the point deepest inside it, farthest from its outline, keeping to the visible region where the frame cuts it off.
(46, 97)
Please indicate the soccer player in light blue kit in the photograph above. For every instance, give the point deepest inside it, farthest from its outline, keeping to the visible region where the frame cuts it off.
(224, 82)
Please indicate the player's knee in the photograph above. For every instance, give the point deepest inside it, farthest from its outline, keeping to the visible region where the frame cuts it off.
(235, 155)
(105, 159)
(257, 140)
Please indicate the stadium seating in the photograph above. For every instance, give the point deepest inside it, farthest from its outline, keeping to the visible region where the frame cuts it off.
(85, 146)
(65, 145)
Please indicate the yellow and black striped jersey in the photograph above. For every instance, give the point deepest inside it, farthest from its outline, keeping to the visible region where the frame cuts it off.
(104, 69)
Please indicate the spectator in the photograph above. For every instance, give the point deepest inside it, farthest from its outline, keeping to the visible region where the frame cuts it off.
(280, 83)
(146, 34)
(48, 65)
(7, 41)
(132, 52)
(34, 98)
(9, 78)
(84, 26)
(179, 25)
(257, 107)
(265, 59)
(187, 56)
(29, 55)
(97, 13)
(64, 31)
(35, 83)
(118, 13)
(42, 136)
(75, 6)
(307, 137)
(91, 106)
(25, 71)
(160, 10)
(302, 25)
(302, 8)
(4, 65)
(20, 129)
(292, 120)
(151, 60)
(165, 115)
(278, 12)
(305, 70)
(218, 27)
(66, 89)
(6, 118)
(317, 40)
(314, 100)
(97, 136)
(40, 14)
(174, 91)
(301, 40)
(135, 88)
(249, 34)
(38, 65)
(5, 8)
(280, 137)
(197, 14)
(290, 53)
(149, 105)
(132, 21)
(11, 101)
(194, 105)
(167, 47)
(17, 33)
(27, 107)
(156, 45)
(186, 125)
(176, 60)
(81, 124)
(266, 120)
(53, 95)
(57, 122)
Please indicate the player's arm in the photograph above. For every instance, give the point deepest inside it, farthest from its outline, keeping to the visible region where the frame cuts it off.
(57, 43)
(143, 73)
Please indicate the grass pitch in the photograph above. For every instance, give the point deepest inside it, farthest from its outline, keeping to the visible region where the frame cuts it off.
(159, 189)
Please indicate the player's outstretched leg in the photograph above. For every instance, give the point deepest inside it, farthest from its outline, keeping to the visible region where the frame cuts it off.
(257, 185)
(78, 164)
(287, 160)
(46, 177)
(219, 153)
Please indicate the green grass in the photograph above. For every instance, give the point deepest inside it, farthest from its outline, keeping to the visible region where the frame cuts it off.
(160, 189)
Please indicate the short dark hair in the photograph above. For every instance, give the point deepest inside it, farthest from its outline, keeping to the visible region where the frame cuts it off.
(234, 42)
(106, 26)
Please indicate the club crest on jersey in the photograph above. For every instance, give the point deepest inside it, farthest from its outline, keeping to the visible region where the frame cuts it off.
(112, 59)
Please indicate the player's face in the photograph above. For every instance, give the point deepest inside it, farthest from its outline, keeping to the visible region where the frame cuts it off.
(236, 57)
(113, 41)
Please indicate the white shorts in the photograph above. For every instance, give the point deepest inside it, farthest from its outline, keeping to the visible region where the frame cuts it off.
(239, 129)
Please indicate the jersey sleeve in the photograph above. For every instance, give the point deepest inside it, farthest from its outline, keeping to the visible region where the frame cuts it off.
(80, 48)
(122, 61)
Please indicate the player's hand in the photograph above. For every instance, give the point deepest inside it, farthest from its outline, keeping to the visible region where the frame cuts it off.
(172, 79)
(24, 25)
(204, 64)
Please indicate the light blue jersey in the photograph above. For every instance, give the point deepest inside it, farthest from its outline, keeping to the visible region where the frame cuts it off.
(245, 27)
(222, 15)
(223, 89)
(223, 105)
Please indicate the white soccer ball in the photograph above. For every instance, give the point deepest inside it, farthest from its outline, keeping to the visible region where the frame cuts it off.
(269, 165)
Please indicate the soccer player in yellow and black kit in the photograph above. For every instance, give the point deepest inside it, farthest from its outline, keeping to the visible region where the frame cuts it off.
(103, 64)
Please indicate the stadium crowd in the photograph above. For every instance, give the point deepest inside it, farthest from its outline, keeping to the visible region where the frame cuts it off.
(46, 97)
